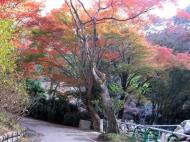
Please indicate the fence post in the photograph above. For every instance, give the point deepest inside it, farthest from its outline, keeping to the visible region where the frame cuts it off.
(101, 125)
(17, 136)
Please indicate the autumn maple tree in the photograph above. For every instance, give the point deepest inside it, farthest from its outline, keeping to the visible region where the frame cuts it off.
(76, 40)
(13, 16)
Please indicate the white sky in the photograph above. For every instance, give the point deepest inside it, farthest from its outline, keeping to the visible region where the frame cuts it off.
(168, 11)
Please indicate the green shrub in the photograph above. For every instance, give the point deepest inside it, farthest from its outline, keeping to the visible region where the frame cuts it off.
(9, 121)
(71, 119)
(34, 87)
(112, 137)
(50, 109)
(53, 108)
(57, 109)
(84, 116)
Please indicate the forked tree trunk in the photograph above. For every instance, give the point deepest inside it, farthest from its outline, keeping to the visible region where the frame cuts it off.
(106, 101)
(93, 113)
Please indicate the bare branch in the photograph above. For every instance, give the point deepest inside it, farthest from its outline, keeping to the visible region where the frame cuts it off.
(102, 8)
(63, 55)
(117, 19)
(76, 13)
(85, 9)
(106, 7)
(75, 21)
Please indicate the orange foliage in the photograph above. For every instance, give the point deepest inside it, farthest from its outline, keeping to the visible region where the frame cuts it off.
(166, 58)
(19, 10)
(183, 14)
(55, 34)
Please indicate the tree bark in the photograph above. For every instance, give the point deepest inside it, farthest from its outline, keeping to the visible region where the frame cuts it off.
(94, 116)
(93, 113)
(107, 104)
(106, 101)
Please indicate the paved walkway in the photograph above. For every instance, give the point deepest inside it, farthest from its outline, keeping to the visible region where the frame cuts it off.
(48, 132)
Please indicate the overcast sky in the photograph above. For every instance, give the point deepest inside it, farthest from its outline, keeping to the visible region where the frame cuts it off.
(169, 9)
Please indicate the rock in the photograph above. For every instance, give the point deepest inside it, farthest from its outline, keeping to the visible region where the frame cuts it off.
(183, 128)
(138, 110)
(163, 137)
(131, 110)
(188, 139)
(84, 124)
(179, 129)
(127, 126)
(101, 125)
(186, 127)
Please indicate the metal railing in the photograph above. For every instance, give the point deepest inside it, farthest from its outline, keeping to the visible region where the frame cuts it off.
(151, 133)
(12, 136)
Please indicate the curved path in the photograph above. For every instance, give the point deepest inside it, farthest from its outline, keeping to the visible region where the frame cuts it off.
(47, 132)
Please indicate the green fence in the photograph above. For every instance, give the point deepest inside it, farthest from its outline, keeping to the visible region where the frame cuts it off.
(151, 133)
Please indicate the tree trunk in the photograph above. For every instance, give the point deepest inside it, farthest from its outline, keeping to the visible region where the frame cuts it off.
(94, 115)
(106, 101)
(108, 107)
(124, 83)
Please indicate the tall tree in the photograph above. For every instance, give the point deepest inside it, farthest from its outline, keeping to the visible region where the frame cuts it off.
(169, 96)
(85, 43)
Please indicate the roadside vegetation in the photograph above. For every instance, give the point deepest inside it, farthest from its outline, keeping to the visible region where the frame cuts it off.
(82, 63)
(8, 123)
(112, 137)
